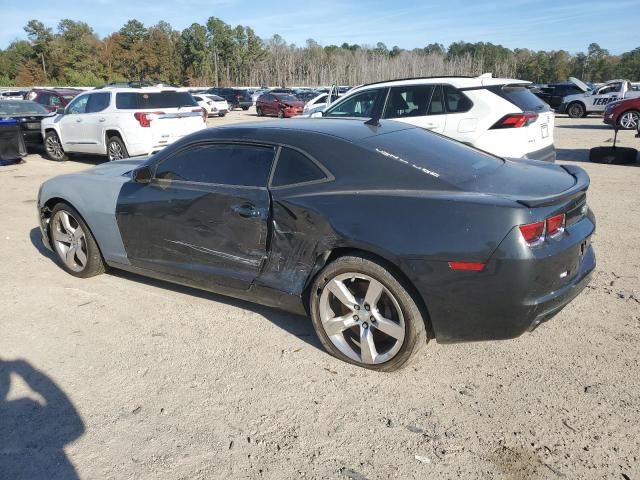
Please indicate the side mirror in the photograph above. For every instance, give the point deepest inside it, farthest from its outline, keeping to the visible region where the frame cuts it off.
(316, 114)
(142, 175)
(61, 111)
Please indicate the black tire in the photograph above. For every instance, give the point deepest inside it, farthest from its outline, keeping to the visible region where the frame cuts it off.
(280, 114)
(613, 155)
(245, 108)
(95, 264)
(415, 335)
(116, 144)
(632, 113)
(576, 110)
(221, 114)
(50, 140)
(259, 111)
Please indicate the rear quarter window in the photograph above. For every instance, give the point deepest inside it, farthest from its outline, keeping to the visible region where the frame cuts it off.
(147, 100)
(293, 168)
(520, 96)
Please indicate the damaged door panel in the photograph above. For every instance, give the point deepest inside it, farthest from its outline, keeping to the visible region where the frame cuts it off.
(210, 233)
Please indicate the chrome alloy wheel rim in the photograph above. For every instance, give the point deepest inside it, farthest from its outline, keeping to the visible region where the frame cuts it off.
(69, 241)
(629, 120)
(53, 146)
(362, 318)
(115, 151)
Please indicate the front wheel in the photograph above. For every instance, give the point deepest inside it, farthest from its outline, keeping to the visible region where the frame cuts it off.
(364, 315)
(576, 110)
(259, 111)
(53, 146)
(280, 114)
(73, 242)
(116, 149)
(629, 120)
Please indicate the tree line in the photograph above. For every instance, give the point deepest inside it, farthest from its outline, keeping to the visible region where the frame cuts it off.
(216, 53)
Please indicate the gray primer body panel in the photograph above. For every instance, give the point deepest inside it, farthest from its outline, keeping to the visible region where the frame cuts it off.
(94, 194)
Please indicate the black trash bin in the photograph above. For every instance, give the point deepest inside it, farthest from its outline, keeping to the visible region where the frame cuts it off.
(12, 146)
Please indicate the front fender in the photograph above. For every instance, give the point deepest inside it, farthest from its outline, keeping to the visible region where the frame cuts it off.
(95, 199)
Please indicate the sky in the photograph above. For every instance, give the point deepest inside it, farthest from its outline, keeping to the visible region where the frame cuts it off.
(535, 24)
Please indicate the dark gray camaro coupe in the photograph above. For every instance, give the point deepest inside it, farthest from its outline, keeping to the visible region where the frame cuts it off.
(385, 234)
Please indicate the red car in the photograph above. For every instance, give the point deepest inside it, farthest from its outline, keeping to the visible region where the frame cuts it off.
(284, 105)
(52, 99)
(624, 114)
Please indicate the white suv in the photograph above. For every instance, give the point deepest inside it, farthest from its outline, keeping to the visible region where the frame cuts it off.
(497, 115)
(122, 122)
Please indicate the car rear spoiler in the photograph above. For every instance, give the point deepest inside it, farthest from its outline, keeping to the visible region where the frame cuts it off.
(581, 186)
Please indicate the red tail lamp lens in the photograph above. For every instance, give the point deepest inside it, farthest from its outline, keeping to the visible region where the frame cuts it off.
(532, 232)
(555, 224)
(469, 266)
(516, 120)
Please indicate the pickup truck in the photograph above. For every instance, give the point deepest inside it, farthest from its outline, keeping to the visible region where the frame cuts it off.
(594, 101)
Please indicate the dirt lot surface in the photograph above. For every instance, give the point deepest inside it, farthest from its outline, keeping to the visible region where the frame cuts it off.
(120, 377)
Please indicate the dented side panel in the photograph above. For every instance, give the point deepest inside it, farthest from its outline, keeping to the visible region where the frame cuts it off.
(196, 230)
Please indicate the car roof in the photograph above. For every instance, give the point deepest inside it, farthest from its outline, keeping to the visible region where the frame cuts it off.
(349, 129)
(137, 90)
(456, 81)
(59, 91)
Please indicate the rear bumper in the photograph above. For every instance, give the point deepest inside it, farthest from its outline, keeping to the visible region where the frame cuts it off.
(546, 154)
(517, 291)
(610, 119)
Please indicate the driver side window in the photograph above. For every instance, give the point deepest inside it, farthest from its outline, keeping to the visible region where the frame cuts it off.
(78, 105)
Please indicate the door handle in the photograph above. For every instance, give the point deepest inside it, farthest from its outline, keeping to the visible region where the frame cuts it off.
(78, 120)
(246, 210)
(430, 126)
(101, 119)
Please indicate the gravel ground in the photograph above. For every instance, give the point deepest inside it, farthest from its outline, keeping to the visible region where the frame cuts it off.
(124, 377)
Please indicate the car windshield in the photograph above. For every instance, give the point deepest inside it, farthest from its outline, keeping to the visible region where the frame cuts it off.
(286, 97)
(216, 98)
(433, 154)
(21, 107)
(143, 100)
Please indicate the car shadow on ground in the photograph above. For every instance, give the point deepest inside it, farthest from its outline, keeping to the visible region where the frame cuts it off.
(296, 325)
(35, 427)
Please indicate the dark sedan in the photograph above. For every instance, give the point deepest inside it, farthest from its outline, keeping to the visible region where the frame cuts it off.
(28, 114)
(386, 234)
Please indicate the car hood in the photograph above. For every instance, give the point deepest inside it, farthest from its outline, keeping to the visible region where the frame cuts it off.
(116, 168)
(294, 103)
(579, 83)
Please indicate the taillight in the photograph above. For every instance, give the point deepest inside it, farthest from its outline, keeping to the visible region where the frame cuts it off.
(144, 118)
(533, 233)
(515, 120)
(555, 224)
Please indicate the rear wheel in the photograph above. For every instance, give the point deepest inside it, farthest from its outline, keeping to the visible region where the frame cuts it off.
(116, 149)
(280, 113)
(364, 315)
(576, 110)
(245, 108)
(53, 146)
(629, 120)
(259, 111)
(73, 242)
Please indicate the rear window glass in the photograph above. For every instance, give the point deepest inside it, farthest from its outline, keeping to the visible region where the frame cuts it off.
(520, 96)
(432, 154)
(145, 100)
